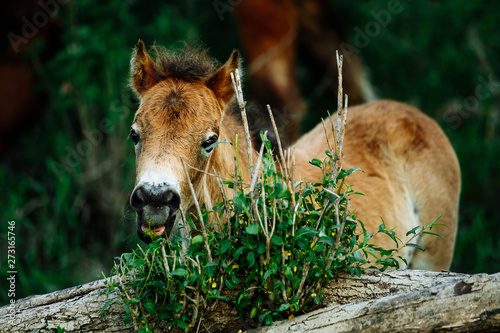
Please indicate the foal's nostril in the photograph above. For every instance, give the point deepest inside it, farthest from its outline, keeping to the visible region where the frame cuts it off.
(137, 201)
(173, 200)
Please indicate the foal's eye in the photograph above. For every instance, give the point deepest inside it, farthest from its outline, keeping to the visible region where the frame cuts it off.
(134, 136)
(210, 141)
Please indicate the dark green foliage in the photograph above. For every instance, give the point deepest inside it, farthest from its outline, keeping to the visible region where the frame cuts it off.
(281, 244)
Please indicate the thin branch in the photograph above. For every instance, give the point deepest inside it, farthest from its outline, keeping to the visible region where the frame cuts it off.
(165, 261)
(235, 77)
(341, 230)
(275, 128)
(198, 209)
(216, 175)
(339, 90)
(257, 167)
(234, 187)
(224, 200)
(326, 136)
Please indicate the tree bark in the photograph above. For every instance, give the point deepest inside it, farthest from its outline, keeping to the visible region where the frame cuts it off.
(396, 301)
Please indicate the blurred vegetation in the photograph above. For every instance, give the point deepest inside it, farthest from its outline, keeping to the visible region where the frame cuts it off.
(67, 179)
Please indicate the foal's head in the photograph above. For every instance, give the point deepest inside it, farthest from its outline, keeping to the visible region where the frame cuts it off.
(182, 98)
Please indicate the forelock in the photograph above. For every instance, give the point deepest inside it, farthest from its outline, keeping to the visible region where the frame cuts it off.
(188, 64)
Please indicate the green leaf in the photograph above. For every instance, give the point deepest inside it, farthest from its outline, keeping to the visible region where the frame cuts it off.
(225, 244)
(213, 145)
(229, 183)
(181, 323)
(285, 195)
(179, 272)
(277, 189)
(434, 223)
(126, 308)
(253, 313)
(276, 240)
(316, 162)
(174, 307)
(238, 252)
(197, 239)
(432, 233)
(251, 259)
(222, 298)
(268, 320)
(229, 284)
(150, 307)
(351, 170)
(416, 246)
(413, 231)
(108, 303)
(191, 223)
(138, 262)
(306, 232)
(283, 307)
(327, 240)
(252, 229)
(261, 249)
(134, 300)
(342, 174)
(209, 268)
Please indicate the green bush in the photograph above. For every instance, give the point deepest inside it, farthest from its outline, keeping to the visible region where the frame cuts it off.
(272, 247)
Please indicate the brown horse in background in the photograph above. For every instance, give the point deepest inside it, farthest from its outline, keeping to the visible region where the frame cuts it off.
(272, 32)
(411, 173)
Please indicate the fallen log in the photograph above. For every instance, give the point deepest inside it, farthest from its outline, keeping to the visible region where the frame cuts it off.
(395, 301)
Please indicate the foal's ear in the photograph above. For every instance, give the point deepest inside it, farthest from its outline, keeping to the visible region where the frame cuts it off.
(221, 82)
(142, 69)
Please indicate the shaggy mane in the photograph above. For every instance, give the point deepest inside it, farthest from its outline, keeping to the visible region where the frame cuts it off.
(189, 64)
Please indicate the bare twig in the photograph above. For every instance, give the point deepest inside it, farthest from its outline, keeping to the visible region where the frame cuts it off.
(165, 261)
(276, 133)
(257, 167)
(339, 90)
(215, 175)
(198, 209)
(235, 77)
(195, 308)
(234, 186)
(326, 136)
(224, 200)
(341, 230)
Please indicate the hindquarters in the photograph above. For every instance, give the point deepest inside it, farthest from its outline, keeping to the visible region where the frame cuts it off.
(433, 175)
(410, 176)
